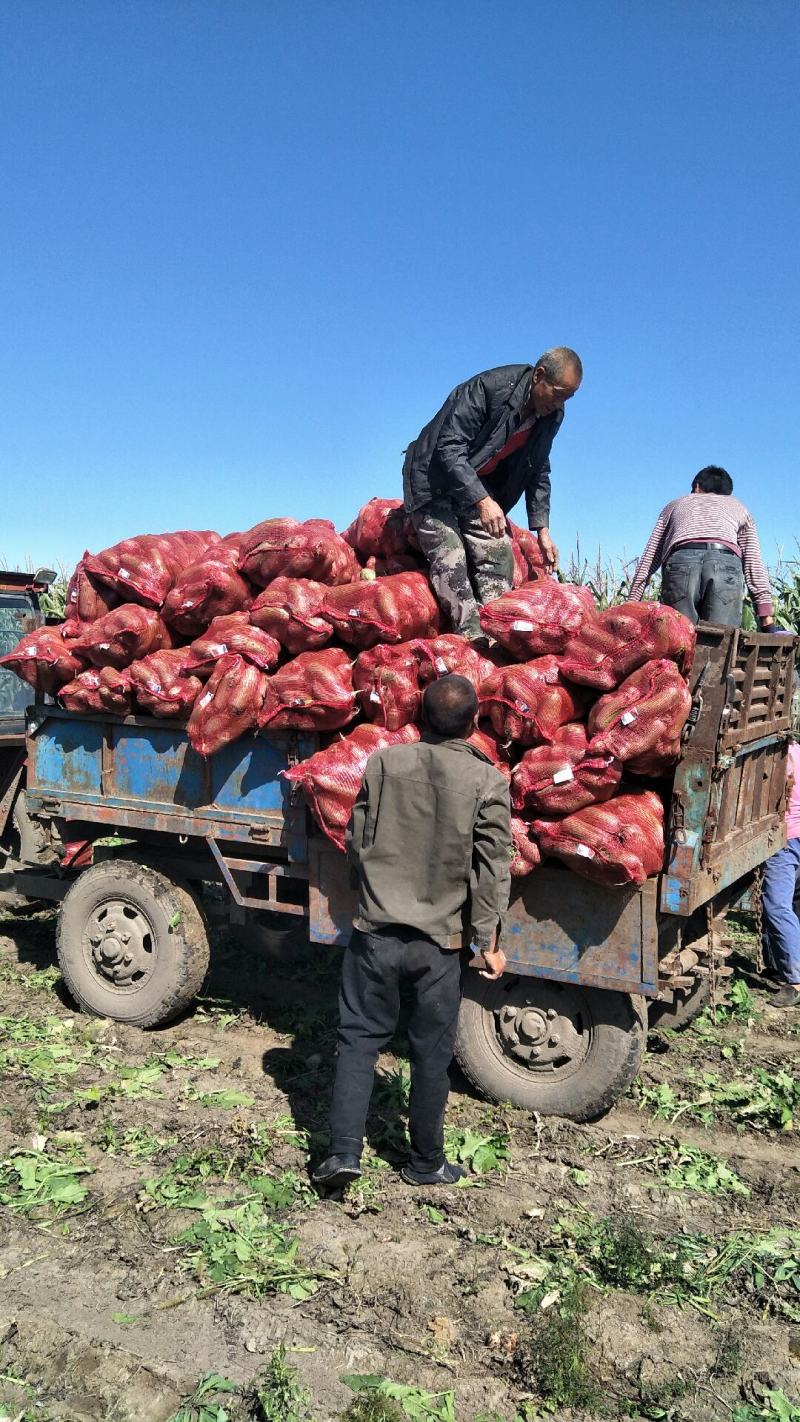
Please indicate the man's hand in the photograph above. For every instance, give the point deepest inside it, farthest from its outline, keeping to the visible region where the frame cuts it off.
(549, 550)
(492, 517)
(491, 963)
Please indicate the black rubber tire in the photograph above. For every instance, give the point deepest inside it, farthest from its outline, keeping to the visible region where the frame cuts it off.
(687, 1004)
(178, 933)
(610, 1025)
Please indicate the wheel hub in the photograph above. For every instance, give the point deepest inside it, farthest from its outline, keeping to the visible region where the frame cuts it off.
(121, 942)
(540, 1035)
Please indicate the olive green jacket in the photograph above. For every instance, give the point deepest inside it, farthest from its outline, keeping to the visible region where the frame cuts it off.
(430, 841)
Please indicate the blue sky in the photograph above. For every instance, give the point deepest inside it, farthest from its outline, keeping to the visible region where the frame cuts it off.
(249, 245)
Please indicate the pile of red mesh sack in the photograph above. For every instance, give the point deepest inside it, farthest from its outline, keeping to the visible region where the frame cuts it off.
(235, 634)
(99, 689)
(537, 618)
(390, 679)
(163, 685)
(528, 703)
(641, 722)
(614, 643)
(282, 547)
(45, 659)
(293, 626)
(123, 636)
(621, 842)
(391, 609)
(228, 706)
(145, 568)
(208, 588)
(290, 609)
(331, 778)
(565, 776)
(313, 692)
(527, 854)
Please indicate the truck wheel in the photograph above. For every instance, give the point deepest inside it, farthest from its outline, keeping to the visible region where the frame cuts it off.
(687, 1003)
(132, 943)
(557, 1048)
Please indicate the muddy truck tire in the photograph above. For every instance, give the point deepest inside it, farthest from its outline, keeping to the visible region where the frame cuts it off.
(132, 943)
(557, 1048)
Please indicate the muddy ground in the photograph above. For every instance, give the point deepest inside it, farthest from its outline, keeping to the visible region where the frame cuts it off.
(153, 1183)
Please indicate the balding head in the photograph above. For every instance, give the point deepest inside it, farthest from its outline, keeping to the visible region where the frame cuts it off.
(556, 376)
(450, 706)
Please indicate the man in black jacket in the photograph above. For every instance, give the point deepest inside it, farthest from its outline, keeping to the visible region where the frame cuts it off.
(487, 446)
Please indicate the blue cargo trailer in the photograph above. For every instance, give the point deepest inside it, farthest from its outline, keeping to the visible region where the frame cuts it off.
(563, 1031)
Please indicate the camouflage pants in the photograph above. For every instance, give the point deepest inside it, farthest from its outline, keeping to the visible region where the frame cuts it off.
(468, 566)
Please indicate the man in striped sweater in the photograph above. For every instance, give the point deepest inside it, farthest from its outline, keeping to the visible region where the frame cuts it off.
(707, 548)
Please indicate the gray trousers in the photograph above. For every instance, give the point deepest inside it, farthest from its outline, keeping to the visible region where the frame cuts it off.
(705, 584)
(467, 565)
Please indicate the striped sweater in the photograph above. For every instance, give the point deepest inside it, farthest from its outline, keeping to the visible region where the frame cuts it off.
(696, 518)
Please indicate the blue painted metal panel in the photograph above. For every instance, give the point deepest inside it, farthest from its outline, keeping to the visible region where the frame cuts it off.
(66, 755)
(155, 764)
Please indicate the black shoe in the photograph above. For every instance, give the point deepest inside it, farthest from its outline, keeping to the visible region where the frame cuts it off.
(787, 996)
(447, 1174)
(335, 1172)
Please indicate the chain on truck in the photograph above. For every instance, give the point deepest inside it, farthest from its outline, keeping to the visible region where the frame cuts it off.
(562, 1032)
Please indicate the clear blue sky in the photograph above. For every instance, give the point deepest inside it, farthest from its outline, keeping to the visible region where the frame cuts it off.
(249, 245)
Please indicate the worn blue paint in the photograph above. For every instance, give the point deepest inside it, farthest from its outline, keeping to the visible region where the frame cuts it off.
(66, 757)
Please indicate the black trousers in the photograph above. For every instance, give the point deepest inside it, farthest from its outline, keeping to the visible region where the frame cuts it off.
(369, 1002)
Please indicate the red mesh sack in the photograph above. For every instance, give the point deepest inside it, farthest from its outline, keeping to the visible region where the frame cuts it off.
(99, 689)
(563, 777)
(161, 686)
(232, 634)
(387, 682)
(282, 547)
(528, 544)
(538, 618)
(391, 609)
(527, 853)
(44, 659)
(331, 779)
(520, 564)
(124, 635)
(143, 569)
(528, 703)
(611, 645)
(87, 598)
(379, 531)
(485, 739)
(645, 715)
(614, 844)
(228, 706)
(289, 609)
(209, 588)
(450, 653)
(313, 692)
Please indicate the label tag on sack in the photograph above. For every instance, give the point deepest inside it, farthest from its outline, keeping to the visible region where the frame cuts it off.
(627, 718)
(522, 626)
(523, 706)
(30, 651)
(204, 700)
(563, 775)
(375, 696)
(123, 573)
(103, 646)
(354, 612)
(441, 666)
(154, 686)
(218, 649)
(584, 851)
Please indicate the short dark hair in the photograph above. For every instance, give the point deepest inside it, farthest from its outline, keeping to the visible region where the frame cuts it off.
(713, 480)
(450, 705)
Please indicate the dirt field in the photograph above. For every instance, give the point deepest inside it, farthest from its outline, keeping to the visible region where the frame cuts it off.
(157, 1226)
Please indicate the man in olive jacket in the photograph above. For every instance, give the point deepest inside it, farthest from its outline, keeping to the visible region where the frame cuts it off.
(487, 446)
(430, 841)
